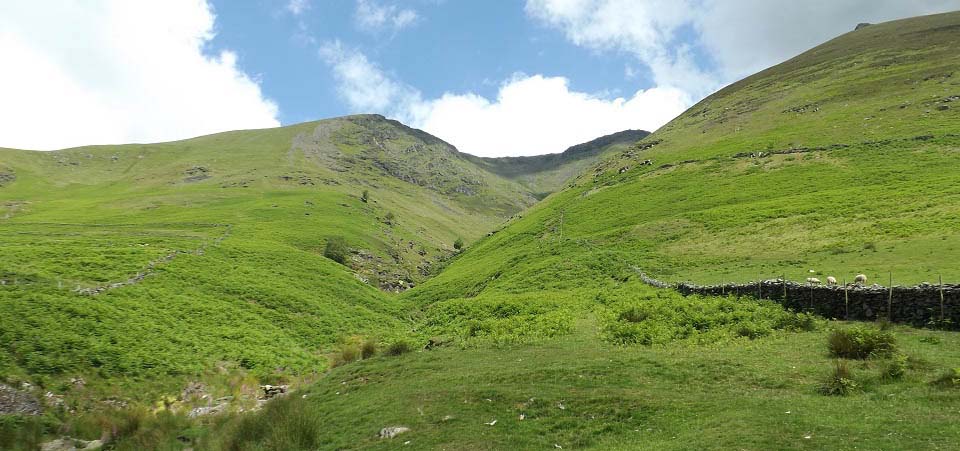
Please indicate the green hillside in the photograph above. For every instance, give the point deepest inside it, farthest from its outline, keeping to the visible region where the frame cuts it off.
(212, 249)
(539, 335)
(859, 140)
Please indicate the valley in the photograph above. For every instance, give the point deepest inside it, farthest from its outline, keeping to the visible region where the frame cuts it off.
(386, 280)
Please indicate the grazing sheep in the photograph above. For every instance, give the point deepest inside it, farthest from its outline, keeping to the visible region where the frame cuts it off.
(813, 280)
(861, 279)
(832, 281)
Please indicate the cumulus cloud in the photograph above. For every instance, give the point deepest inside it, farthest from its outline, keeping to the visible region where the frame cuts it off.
(531, 115)
(374, 17)
(737, 37)
(117, 71)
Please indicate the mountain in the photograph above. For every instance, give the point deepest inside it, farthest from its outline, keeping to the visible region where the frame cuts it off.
(544, 174)
(839, 160)
(842, 160)
(218, 243)
(542, 333)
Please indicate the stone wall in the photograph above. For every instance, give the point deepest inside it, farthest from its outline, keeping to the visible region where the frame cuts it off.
(920, 305)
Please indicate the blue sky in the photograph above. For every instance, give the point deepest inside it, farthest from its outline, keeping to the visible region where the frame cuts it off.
(518, 77)
(451, 46)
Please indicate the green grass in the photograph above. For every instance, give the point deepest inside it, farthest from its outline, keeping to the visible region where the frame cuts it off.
(741, 394)
(231, 231)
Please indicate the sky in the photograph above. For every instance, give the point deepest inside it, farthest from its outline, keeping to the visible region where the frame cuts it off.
(494, 78)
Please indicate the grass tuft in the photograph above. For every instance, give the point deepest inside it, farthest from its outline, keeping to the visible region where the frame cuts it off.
(398, 347)
(840, 381)
(860, 343)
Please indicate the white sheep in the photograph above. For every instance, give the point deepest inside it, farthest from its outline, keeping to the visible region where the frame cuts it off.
(832, 281)
(813, 280)
(861, 279)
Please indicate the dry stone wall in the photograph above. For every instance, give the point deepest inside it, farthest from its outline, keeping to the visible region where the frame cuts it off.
(920, 305)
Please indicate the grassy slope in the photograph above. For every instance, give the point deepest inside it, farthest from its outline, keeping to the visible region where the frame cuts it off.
(872, 208)
(249, 285)
(752, 395)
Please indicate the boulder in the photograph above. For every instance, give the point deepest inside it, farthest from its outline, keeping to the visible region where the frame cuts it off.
(393, 431)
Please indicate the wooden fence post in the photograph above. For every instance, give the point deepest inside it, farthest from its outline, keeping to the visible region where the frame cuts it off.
(846, 301)
(890, 300)
(941, 300)
(783, 278)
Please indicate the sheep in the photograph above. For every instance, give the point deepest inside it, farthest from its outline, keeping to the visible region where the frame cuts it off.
(832, 281)
(813, 280)
(861, 279)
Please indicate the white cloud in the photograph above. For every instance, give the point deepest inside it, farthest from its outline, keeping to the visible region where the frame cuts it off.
(363, 85)
(296, 7)
(740, 36)
(117, 71)
(531, 115)
(535, 114)
(374, 17)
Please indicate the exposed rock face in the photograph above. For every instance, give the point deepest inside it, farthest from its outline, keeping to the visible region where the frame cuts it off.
(862, 25)
(196, 174)
(16, 402)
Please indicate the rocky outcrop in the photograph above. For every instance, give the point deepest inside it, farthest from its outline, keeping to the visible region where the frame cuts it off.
(7, 177)
(393, 431)
(71, 444)
(18, 402)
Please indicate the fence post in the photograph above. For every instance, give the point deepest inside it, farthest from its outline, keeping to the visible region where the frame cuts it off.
(846, 301)
(759, 287)
(783, 279)
(723, 287)
(941, 300)
(890, 300)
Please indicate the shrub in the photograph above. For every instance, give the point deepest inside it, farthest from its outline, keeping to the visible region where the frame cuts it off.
(337, 249)
(389, 218)
(632, 315)
(895, 368)
(884, 324)
(398, 347)
(949, 379)
(365, 196)
(348, 353)
(661, 318)
(458, 244)
(368, 348)
(860, 343)
(840, 382)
